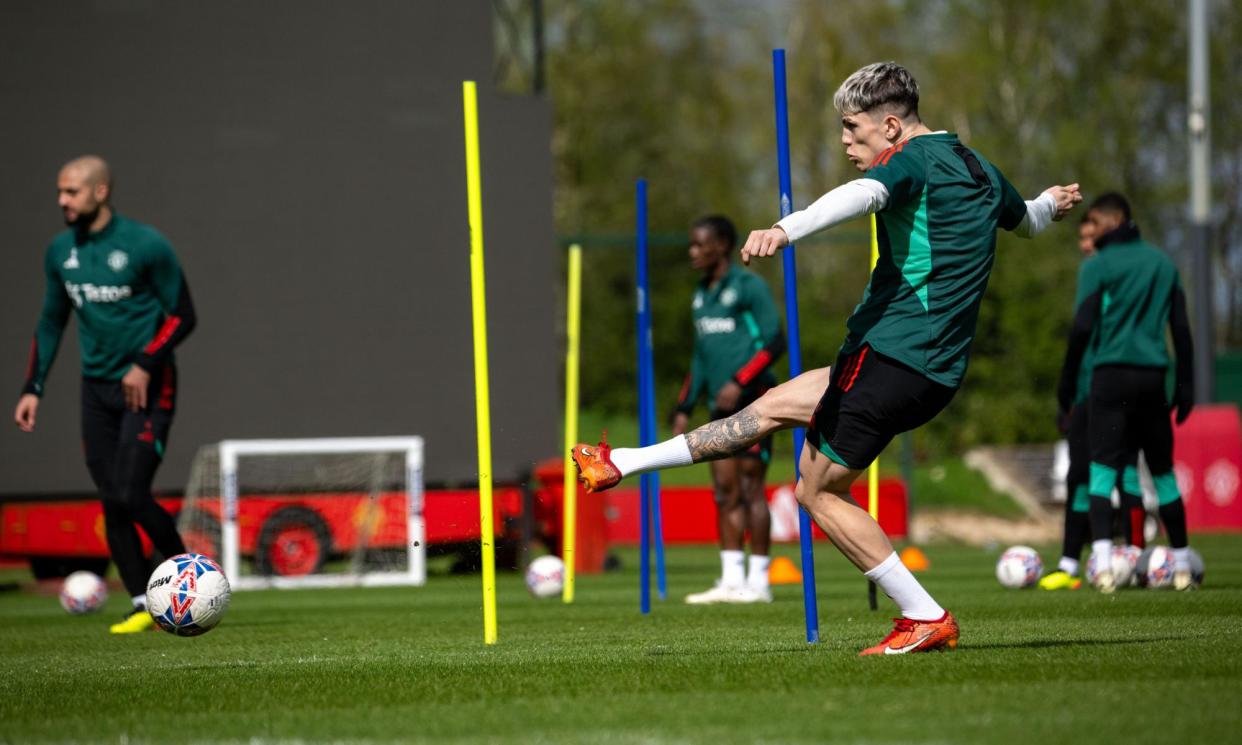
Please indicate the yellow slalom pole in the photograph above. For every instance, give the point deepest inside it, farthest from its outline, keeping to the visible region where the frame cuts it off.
(478, 303)
(873, 471)
(573, 318)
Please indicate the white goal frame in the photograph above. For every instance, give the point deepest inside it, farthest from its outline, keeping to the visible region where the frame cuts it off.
(416, 534)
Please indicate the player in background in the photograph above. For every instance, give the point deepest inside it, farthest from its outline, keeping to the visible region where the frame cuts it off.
(133, 307)
(938, 205)
(1073, 424)
(737, 337)
(1128, 294)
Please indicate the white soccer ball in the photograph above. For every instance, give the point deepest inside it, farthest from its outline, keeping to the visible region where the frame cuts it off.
(1155, 568)
(188, 594)
(545, 577)
(1019, 567)
(83, 592)
(1121, 560)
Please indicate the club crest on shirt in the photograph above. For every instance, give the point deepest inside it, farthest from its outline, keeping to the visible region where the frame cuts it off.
(728, 297)
(698, 301)
(72, 261)
(118, 260)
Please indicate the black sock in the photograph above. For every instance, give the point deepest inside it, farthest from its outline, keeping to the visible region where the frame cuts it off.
(1173, 515)
(1101, 514)
(1077, 526)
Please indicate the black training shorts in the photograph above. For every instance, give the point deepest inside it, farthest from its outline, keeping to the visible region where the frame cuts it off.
(870, 400)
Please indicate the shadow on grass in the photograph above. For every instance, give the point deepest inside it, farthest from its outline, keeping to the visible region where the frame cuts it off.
(1052, 643)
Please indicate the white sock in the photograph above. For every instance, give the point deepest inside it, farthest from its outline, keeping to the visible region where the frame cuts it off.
(757, 576)
(898, 583)
(140, 601)
(732, 568)
(667, 454)
(1100, 551)
(1068, 565)
(1181, 559)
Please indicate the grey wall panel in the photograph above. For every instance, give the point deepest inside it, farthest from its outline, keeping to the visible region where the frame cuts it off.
(306, 161)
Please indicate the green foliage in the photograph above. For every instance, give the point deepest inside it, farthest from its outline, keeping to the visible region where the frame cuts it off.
(679, 92)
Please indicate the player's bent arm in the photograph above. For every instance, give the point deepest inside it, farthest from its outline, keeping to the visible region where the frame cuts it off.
(1047, 208)
(1080, 336)
(848, 201)
(1184, 350)
(179, 320)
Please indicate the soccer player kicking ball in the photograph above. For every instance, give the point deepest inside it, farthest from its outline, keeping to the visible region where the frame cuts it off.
(1128, 293)
(737, 338)
(133, 306)
(939, 204)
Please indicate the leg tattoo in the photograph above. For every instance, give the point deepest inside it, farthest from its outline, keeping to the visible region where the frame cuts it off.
(725, 437)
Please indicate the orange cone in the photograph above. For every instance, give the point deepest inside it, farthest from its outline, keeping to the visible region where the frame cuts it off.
(781, 571)
(914, 559)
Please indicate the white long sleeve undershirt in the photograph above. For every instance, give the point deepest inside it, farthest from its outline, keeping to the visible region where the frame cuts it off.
(1039, 214)
(866, 196)
(859, 197)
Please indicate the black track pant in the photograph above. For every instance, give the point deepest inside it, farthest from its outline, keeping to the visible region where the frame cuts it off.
(123, 450)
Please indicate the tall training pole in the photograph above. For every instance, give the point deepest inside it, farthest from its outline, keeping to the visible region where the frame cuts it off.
(482, 409)
(1200, 130)
(573, 325)
(809, 603)
(652, 529)
(873, 471)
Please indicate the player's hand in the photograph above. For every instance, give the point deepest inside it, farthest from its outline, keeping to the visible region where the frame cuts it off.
(764, 243)
(1066, 198)
(1183, 402)
(24, 416)
(681, 420)
(134, 385)
(728, 396)
(1063, 421)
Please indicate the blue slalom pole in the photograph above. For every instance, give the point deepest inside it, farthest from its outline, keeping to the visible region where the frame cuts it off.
(649, 509)
(809, 603)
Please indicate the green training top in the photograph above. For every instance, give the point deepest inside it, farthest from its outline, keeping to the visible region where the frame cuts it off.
(130, 296)
(1135, 283)
(937, 239)
(737, 336)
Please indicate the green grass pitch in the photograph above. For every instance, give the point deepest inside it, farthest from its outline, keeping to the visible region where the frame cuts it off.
(409, 665)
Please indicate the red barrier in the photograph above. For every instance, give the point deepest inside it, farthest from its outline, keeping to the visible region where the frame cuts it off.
(689, 512)
(1207, 459)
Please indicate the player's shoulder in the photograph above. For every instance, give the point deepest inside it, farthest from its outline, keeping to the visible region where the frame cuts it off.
(141, 236)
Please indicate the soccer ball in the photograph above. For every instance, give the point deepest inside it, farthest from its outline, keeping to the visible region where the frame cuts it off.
(188, 594)
(1019, 567)
(83, 592)
(1122, 560)
(1155, 568)
(1196, 567)
(545, 576)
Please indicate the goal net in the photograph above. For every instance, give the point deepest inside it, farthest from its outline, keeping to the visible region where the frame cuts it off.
(328, 512)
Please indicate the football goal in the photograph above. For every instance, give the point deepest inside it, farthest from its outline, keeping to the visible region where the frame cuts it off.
(322, 512)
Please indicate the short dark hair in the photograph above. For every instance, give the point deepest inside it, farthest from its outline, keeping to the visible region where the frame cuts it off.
(1112, 201)
(881, 85)
(721, 227)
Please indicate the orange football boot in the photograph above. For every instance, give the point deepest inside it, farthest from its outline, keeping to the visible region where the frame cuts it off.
(909, 635)
(595, 468)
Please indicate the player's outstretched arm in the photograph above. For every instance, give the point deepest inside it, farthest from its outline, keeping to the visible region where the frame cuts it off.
(1029, 219)
(847, 202)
